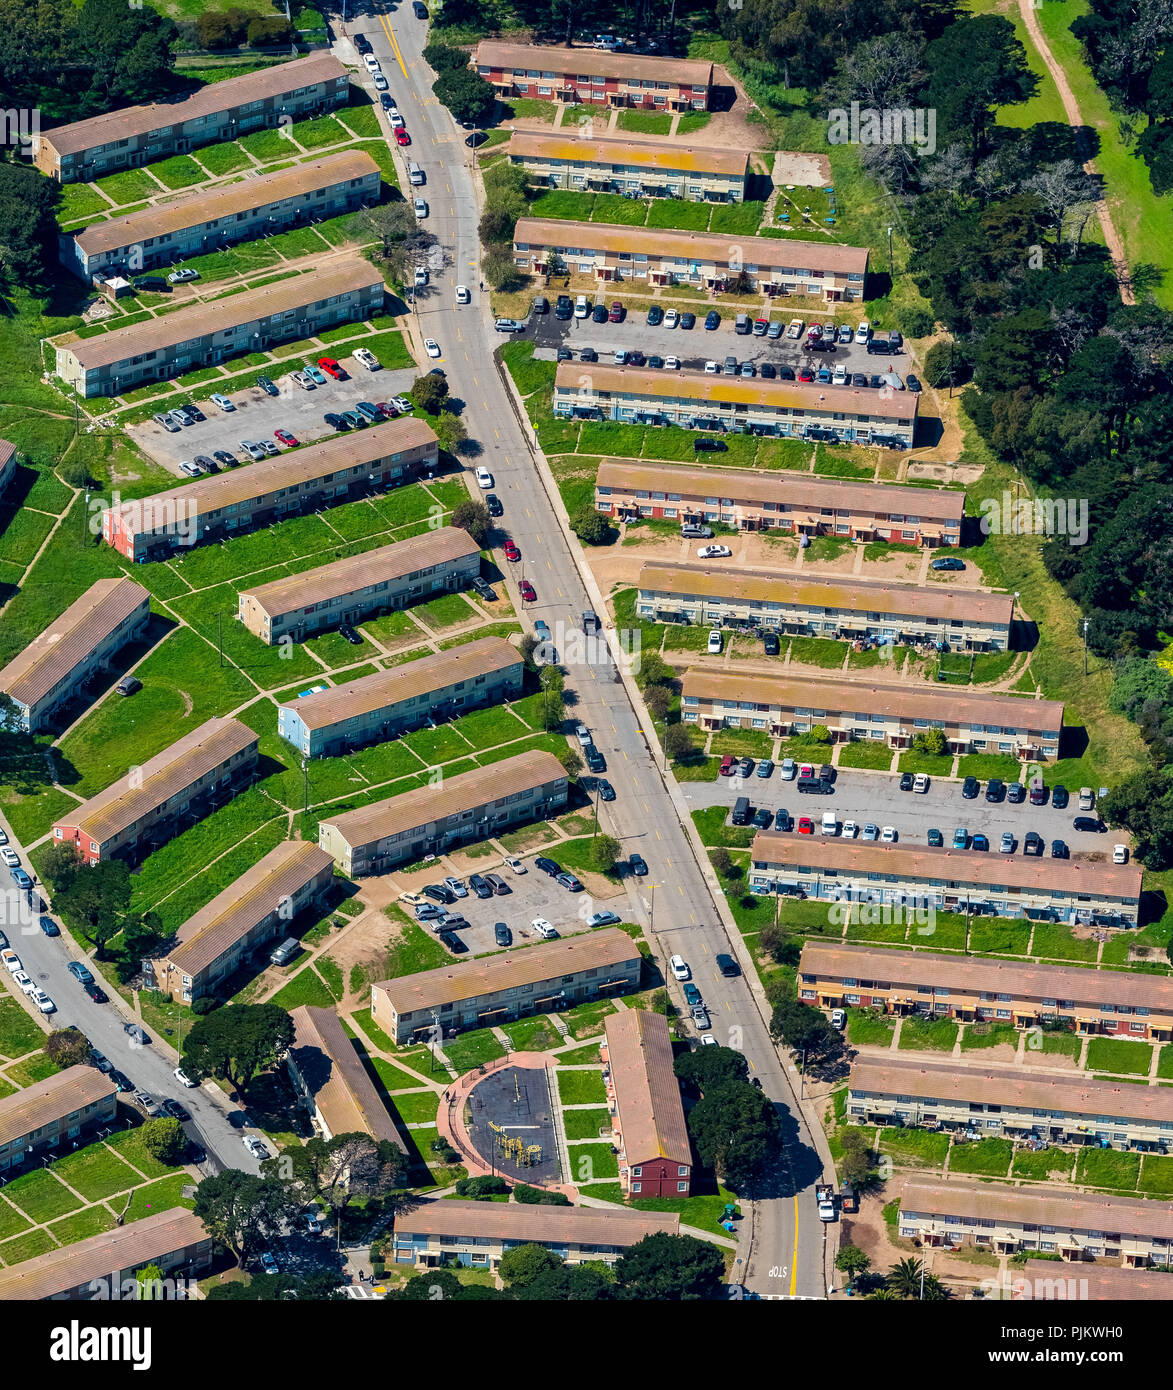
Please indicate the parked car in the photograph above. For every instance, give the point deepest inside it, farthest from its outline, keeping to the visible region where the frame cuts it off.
(687, 321)
(128, 685)
(714, 552)
(617, 312)
(712, 320)
(980, 842)
(1006, 844)
(267, 386)
(502, 936)
(716, 641)
(639, 865)
(935, 839)
(527, 591)
(655, 316)
(547, 866)
(970, 788)
(182, 277)
(1060, 797)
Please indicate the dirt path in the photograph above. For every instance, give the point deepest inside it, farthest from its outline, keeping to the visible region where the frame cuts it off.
(1075, 119)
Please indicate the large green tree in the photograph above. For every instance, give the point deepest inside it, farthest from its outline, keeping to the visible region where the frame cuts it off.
(663, 1268)
(243, 1212)
(467, 95)
(707, 1067)
(345, 1167)
(237, 1043)
(734, 1129)
(28, 226)
(977, 65)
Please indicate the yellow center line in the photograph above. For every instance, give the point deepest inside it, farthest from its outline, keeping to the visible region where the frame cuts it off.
(386, 23)
(794, 1257)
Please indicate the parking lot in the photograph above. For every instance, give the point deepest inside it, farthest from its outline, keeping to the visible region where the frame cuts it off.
(257, 414)
(876, 797)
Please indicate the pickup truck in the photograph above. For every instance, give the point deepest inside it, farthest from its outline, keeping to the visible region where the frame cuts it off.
(825, 1199)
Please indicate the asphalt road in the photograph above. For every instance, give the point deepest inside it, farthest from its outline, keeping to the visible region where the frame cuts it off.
(673, 902)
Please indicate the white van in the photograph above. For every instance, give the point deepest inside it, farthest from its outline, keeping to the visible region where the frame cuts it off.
(286, 951)
(680, 968)
(414, 173)
(830, 826)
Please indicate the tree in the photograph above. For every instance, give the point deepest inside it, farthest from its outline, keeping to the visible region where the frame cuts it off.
(500, 270)
(658, 699)
(1143, 804)
(708, 1067)
(472, 516)
(524, 1263)
(653, 670)
(721, 860)
(237, 1043)
(126, 53)
(468, 95)
(527, 646)
(403, 243)
(429, 393)
(346, 1166)
(734, 1129)
(663, 1268)
(28, 209)
(977, 64)
(802, 1028)
(539, 1196)
(571, 761)
(590, 526)
(443, 57)
(450, 430)
(567, 1284)
(852, 1260)
(241, 1211)
(68, 1047)
(777, 943)
(930, 741)
(677, 741)
(857, 1158)
(605, 850)
(480, 1189)
(165, 1139)
(150, 1283)
(904, 1278)
(267, 31)
(93, 901)
(322, 1286)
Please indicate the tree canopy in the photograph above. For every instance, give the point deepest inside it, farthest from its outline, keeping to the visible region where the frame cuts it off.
(237, 1043)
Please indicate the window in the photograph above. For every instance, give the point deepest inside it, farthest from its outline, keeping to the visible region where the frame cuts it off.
(682, 1187)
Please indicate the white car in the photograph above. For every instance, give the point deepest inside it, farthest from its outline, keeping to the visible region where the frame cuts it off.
(546, 930)
(581, 307)
(707, 1040)
(42, 1001)
(193, 470)
(794, 328)
(3, 838)
(671, 364)
(1119, 854)
(838, 1018)
(257, 1147)
(421, 207)
(716, 642)
(680, 968)
(181, 277)
(462, 294)
(583, 734)
(888, 835)
(397, 121)
(431, 347)
(371, 61)
(25, 982)
(839, 376)
(252, 449)
(712, 368)
(307, 383)
(515, 865)
(850, 830)
(10, 960)
(714, 552)
(863, 332)
(484, 479)
(789, 770)
(421, 275)
(10, 857)
(222, 401)
(182, 1077)
(367, 358)
(671, 318)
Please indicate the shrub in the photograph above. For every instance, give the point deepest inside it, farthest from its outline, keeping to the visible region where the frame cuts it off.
(204, 1004)
(918, 323)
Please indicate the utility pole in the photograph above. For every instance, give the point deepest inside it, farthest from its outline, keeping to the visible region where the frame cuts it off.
(305, 774)
(85, 512)
(595, 831)
(891, 273)
(1085, 627)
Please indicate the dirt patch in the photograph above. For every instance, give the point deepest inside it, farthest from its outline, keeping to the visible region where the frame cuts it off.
(1049, 1061)
(893, 566)
(804, 170)
(926, 470)
(991, 1056)
(364, 944)
(843, 563)
(618, 567)
(188, 705)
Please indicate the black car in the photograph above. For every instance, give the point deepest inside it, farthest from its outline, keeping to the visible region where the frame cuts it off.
(1058, 849)
(480, 886)
(688, 321)
(745, 767)
(346, 631)
(875, 381)
(267, 386)
(594, 759)
(763, 819)
(655, 316)
(152, 282)
(1089, 823)
(588, 354)
(96, 993)
(565, 355)
(606, 790)
(453, 942)
(599, 314)
(858, 379)
(386, 100)
(768, 370)
(484, 588)
(476, 139)
(709, 446)
(193, 412)
(712, 320)
(227, 459)
(912, 382)
(335, 421)
(728, 966)
(970, 788)
(49, 927)
(783, 820)
(906, 781)
(785, 373)
(1016, 793)
(995, 789)
(547, 866)
(207, 464)
(173, 1110)
(655, 360)
(362, 43)
(502, 936)
(635, 358)
(770, 644)
(936, 839)
(196, 1153)
(121, 1080)
(438, 893)
(638, 865)
(1032, 842)
(563, 307)
(980, 842)
(493, 504)
(1060, 797)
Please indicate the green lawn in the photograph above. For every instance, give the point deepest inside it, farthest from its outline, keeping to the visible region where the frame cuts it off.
(868, 1029)
(473, 1049)
(306, 987)
(580, 1055)
(416, 1107)
(581, 1087)
(1156, 1175)
(18, 1032)
(1057, 1044)
(1056, 941)
(536, 1034)
(877, 755)
(591, 1161)
(999, 936)
(645, 122)
(1038, 1166)
(585, 1124)
(915, 1146)
(1107, 1168)
(928, 1034)
(95, 1172)
(129, 1145)
(40, 1196)
(1119, 1055)
(990, 1157)
(982, 1035)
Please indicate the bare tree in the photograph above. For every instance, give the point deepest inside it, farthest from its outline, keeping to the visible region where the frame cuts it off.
(1064, 188)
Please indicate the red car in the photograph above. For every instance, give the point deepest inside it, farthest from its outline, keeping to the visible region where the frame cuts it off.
(728, 763)
(806, 826)
(806, 374)
(388, 412)
(815, 331)
(617, 312)
(526, 589)
(402, 136)
(284, 437)
(328, 364)
(511, 551)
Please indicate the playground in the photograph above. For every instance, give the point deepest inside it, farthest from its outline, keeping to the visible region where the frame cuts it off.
(509, 1120)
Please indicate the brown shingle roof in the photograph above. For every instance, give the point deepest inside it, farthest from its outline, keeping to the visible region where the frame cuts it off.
(905, 702)
(702, 388)
(394, 561)
(205, 496)
(128, 1247)
(225, 200)
(7, 451)
(595, 62)
(1103, 1282)
(422, 806)
(796, 490)
(184, 762)
(647, 1094)
(536, 1224)
(956, 866)
(130, 121)
(199, 320)
(1041, 1206)
(1072, 1094)
(218, 926)
(51, 1099)
(386, 688)
(718, 248)
(528, 144)
(69, 639)
(529, 966)
(908, 969)
(856, 595)
(330, 1067)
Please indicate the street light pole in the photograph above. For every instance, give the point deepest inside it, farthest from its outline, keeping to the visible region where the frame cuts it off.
(891, 273)
(305, 776)
(1085, 627)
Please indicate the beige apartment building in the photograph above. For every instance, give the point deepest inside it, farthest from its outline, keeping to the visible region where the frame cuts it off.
(331, 1082)
(56, 665)
(336, 470)
(135, 135)
(1040, 1279)
(795, 503)
(844, 609)
(347, 591)
(470, 806)
(737, 405)
(496, 989)
(786, 705)
(1009, 1101)
(637, 168)
(58, 1110)
(1112, 1002)
(293, 878)
(374, 708)
(611, 253)
(239, 210)
(152, 803)
(647, 1114)
(205, 334)
(588, 76)
(1006, 1220)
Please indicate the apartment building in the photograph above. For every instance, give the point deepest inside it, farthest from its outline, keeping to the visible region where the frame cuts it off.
(647, 1115)
(786, 705)
(794, 503)
(843, 609)
(1113, 1002)
(106, 1266)
(825, 270)
(336, 470)
(594, 77)
(498, 989)
(429, 820)
(1007, 1220)
(1009, 1101)
(58, 663)
(292, 879)
(1040, 1279)
(239, 210)
(477, 1234)
(638, 168)
(172, 790)
(7, 464)
(58, 1110)
(135, 135)
(324, 723)
(1077, 890)
(738, 405)
(205, 334)
(347, 591)
(331, 1081)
